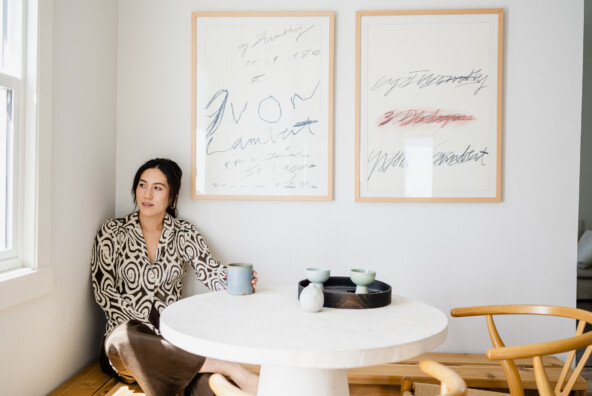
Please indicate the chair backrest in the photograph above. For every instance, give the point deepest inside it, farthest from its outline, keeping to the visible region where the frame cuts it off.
(451, 382)
(506, 355)
(222, 387)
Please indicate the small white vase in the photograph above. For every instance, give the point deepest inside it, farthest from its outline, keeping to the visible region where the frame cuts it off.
(311, 298)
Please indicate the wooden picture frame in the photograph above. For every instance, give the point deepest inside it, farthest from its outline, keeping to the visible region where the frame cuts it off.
(429, 105)
(262, 105)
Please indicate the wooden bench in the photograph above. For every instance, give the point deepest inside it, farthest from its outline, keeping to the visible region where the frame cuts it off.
(476, 369)
(383, 380)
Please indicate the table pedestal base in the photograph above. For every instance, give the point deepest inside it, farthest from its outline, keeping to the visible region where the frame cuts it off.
(296, 381)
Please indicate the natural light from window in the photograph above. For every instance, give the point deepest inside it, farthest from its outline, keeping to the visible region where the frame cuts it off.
(11, 101)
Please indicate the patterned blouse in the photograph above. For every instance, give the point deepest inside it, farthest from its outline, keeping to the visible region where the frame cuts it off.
(127, 286)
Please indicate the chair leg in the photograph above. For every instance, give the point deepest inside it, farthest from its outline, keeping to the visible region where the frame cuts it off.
(406, 386)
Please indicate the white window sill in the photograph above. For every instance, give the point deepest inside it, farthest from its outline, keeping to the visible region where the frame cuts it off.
(24, 284)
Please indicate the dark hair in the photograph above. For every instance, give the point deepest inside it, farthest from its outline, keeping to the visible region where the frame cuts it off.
(173, 173)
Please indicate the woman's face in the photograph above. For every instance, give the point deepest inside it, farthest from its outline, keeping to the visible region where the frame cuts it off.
(152, 193)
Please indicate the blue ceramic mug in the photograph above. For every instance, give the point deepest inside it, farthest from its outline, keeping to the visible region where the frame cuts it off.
(238, 279)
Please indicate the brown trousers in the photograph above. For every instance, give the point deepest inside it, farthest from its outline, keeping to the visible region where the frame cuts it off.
(133, 352)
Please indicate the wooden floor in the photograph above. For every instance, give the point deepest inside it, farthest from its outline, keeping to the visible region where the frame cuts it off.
(587, 374)
(93, 381)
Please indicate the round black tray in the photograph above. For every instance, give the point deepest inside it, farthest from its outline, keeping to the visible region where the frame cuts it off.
(340, 292)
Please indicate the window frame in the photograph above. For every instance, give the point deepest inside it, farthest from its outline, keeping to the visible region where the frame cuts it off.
(13, 78)
(32, 276)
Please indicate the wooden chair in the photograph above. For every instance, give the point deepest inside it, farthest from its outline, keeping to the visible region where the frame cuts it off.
(451, 383)
(222, 387)
(506, 354)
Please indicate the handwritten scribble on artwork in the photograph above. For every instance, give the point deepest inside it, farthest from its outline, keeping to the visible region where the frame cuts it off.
(428, 107)
(262, 111)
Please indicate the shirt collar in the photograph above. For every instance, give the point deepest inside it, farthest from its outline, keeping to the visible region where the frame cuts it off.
(168, 225)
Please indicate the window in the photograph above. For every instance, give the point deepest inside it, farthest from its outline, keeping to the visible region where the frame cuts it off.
(26, 29)
(12, 88)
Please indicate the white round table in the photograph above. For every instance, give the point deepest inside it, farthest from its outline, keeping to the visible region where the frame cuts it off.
(301, 353)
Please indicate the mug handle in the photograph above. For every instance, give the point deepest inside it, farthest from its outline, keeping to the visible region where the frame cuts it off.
(222, 278)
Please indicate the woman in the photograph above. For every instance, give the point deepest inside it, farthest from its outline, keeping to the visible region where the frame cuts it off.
(137, 265)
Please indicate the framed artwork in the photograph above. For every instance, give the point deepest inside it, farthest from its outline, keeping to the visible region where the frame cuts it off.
(429, 105)
(262, 105)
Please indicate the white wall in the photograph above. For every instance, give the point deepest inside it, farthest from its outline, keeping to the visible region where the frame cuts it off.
(522, 250)
(46, 340)
(586, 149)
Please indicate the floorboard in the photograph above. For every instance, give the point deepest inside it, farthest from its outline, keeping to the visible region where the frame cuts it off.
(587, 374)
(93, 382)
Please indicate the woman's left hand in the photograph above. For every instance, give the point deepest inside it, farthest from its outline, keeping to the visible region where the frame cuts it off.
(254, 280)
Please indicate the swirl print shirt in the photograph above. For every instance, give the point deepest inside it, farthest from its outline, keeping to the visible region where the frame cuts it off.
(127, 286)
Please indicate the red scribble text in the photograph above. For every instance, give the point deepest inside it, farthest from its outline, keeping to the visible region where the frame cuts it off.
(421, 117)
